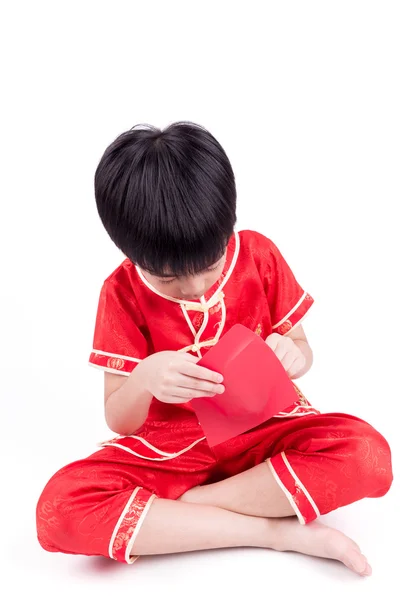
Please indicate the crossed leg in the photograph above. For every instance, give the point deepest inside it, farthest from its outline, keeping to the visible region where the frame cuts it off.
(96, 506)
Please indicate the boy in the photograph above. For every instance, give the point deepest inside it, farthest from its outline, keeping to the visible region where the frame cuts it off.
(168, 201)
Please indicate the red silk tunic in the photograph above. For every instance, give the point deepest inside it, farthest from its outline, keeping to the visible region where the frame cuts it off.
(256, 289)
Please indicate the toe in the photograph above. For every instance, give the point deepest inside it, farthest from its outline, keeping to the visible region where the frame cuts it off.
(357, 562)
(367, 571)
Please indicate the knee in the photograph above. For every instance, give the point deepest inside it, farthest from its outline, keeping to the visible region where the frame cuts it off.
(372, 461)
(52, 516)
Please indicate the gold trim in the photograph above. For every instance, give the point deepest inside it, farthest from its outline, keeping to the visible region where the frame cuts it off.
(293, 414)
(230, 270)
(108, 370)
(299, 322)
(121, 518)
(128, 558)
(197, 345)
(203, 327)
(286, 492)
(163, 455)
(101, 352)
(300, 484)
(192, 329)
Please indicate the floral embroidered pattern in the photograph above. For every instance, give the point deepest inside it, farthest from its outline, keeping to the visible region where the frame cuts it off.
(198, 321)
(302, 399)
(215, 308)
(127, 527)
(285, 327)
(116, 363)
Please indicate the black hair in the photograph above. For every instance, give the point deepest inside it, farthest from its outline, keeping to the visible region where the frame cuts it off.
(167, 198)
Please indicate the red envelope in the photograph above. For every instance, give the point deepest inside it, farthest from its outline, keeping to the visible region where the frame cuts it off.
(256, 386)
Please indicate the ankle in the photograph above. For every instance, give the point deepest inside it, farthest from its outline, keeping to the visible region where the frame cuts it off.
(275, 533)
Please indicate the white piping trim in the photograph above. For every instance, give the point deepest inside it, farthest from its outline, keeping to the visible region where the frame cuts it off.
(298, 322)
(116, 355)
(203, 325)
(164, 455)
(153, 289)
(291, 312)
(189, 322)
(286, 492)
(109, 370)
(296, 409)
(194, 348)
(300, 484)
(292, 414)
(230, 270)
(130, 560)
(198, 344)
(157, 450)
(223, 320)
(118, 525)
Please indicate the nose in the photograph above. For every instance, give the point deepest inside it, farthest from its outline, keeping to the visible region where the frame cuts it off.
(192, 289)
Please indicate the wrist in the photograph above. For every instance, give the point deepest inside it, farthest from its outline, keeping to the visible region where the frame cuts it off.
(140, 375)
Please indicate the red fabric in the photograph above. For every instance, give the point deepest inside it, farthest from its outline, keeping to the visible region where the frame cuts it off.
(133, 322)
(93, 506)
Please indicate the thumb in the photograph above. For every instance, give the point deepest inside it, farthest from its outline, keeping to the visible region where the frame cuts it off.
(272, 341)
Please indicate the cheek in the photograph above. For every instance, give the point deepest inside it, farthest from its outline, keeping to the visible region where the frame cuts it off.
(216, 276)
(167, 290)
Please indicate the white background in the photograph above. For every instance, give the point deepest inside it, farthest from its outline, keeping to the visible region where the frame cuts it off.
(304, 97)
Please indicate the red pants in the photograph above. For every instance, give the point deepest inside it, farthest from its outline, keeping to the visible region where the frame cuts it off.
(96, 506)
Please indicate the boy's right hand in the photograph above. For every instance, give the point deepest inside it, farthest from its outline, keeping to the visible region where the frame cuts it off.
(175, 378)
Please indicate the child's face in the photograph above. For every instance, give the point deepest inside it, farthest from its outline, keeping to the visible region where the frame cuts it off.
(191, 287)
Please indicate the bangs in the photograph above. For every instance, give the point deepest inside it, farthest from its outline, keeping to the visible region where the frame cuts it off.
(181, 259)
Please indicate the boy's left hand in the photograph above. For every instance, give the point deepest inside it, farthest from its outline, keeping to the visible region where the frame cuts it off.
(290, 355)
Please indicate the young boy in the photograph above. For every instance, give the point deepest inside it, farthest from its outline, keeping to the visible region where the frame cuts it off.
(168, 201)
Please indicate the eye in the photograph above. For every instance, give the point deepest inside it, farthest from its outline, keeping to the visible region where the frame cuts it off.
(217, 266)
(166, 281)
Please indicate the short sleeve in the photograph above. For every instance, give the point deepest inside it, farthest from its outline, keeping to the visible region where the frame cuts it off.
(119, 343)
(288, 301)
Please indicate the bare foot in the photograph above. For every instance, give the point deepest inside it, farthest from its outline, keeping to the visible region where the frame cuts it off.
(318, 540)
(315, 539)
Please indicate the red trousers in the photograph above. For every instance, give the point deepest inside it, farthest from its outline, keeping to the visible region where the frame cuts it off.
(97, 505)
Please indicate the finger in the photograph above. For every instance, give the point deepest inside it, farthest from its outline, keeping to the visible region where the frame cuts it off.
(173, 399)
(189, 394)
(296, 366)
(183, 395)
(197, 372)
(190, 358)
(288, 360)
(285, 346)
(199, 384)
(280, 351)
(273, 340)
